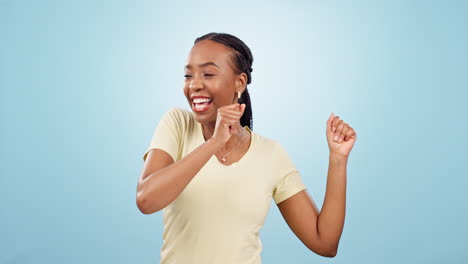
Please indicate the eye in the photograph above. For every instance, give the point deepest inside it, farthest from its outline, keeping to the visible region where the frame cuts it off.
(188, 76)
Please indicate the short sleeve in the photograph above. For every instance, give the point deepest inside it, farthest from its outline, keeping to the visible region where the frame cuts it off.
(290, 181)
(167, 134)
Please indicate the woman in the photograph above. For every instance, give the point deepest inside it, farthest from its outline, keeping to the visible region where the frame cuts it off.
(215, 178)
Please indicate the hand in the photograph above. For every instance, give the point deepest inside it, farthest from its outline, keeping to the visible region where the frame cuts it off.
(346, 136)
(227, 122)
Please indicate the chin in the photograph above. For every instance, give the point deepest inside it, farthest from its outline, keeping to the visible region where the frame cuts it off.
(203, 119)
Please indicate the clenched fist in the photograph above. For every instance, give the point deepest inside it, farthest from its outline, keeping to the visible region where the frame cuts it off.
(228, 121)
(340, 136)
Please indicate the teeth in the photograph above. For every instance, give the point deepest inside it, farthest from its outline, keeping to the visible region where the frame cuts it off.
(199, 100)
(200, 106)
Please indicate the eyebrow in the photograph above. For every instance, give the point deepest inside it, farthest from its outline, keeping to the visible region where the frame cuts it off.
(188, 66)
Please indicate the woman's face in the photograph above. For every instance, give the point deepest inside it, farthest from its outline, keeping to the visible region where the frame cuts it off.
(209, 73)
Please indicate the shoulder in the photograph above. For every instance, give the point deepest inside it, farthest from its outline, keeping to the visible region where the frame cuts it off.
(178, 115)
(266, 144)
(276, 155)
(177, 111)
(279, 154)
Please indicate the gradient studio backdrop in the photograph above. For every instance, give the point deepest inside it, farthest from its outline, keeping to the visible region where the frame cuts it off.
(84, 83)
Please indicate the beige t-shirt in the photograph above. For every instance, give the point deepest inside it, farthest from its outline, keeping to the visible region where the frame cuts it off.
(218, 216)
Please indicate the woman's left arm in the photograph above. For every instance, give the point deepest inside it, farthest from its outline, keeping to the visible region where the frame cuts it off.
(321, 232)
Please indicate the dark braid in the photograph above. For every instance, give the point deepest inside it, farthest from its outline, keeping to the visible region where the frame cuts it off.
(243, 60)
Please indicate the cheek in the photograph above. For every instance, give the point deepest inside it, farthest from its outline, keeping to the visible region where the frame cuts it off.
(224, 92)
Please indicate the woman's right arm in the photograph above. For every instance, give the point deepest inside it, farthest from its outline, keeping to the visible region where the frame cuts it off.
(162, 180)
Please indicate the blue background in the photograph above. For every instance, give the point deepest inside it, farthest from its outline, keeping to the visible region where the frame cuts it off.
(84, 83)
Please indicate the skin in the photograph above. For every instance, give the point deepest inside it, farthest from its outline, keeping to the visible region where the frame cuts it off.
(222, 84)
(321, 231)
(162, 179)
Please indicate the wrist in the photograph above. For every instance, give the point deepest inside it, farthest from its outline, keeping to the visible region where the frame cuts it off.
(338, 156)
(217, 145)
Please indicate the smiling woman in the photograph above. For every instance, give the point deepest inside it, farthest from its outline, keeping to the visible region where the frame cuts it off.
(215, 177)
(220, 69)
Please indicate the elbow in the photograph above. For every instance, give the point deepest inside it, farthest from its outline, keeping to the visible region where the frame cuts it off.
(328, 247)
(330, 254)
(328, 251)
(144, 205)
(141, 204)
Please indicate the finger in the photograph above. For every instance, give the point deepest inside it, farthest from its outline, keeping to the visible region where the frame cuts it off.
(232, 112)
(335, 121)
(339, 128)
(343, 132)
(225, 114)
(239, 110)
(234, 116)
(353, 136)
(230, 122)
(230, 118)
(349, 133)
(329, 123)
(233, 106)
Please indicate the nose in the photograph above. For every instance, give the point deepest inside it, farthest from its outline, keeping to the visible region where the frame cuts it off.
(195, 84)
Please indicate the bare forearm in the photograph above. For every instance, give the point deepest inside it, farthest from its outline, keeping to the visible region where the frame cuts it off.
(162, 187)
(332, 216)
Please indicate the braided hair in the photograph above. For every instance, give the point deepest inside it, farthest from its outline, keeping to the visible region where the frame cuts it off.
(242, 58)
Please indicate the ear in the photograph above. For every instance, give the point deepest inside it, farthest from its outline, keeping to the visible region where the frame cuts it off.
(241, 82)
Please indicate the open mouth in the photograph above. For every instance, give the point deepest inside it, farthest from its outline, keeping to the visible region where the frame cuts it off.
(201, 105)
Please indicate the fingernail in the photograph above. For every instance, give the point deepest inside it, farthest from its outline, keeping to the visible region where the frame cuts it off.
(336, 138)
(333, 129)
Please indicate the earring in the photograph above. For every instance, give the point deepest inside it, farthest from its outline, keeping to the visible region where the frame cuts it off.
(238, 94)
